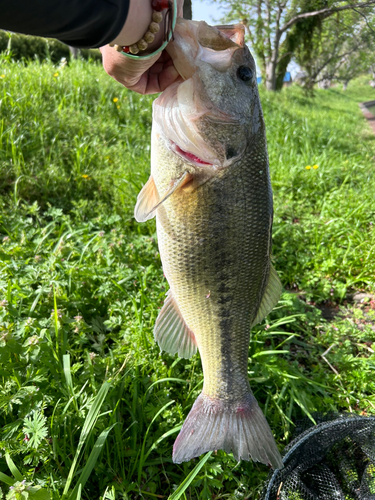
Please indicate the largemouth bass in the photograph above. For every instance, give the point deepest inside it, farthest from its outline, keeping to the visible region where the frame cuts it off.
(210, 191)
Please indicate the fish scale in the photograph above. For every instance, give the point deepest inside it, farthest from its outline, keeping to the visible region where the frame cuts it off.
(214, 221)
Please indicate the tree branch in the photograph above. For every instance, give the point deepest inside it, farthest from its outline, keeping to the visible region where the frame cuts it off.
(284, 55)
(325, 13)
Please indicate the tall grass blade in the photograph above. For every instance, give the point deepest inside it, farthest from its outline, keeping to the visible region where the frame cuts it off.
(6, 479)
(68, 378)
(159, 440)
(13, 468)
(85, 474)
(86, 429)
(190, 478)
(141, 459)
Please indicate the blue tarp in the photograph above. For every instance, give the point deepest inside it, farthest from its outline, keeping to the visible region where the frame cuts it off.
(287, 78)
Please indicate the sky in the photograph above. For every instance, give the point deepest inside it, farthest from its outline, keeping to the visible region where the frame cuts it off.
(203, 10)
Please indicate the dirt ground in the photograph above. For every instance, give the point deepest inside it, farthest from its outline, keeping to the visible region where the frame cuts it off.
(359, 301)
(369, 116)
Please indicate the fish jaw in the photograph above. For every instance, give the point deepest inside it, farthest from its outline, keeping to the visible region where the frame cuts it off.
(208, 115)
(195, 41)
(175, 116)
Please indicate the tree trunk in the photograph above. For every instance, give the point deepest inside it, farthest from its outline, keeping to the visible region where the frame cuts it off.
(272, 65)
(187, 10)
(345, 85)
(271, 76)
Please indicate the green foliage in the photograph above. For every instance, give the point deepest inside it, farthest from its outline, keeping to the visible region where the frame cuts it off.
(89, 408)
(324, 217)
(279, 31)
(28, 48)
(340, 48)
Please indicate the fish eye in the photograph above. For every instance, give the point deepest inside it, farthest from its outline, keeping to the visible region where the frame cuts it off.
(245, 73)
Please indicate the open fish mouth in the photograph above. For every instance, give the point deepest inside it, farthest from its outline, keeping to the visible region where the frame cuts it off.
(190, 157)
(176, 115)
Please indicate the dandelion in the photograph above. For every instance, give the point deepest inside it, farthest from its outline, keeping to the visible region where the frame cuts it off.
(118, 107)
(85, 176)
(308, 167)
(115, 99)
(2, 76)
(56, 75)
(315, 167)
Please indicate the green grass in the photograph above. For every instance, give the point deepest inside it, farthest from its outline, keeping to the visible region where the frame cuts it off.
(88, 407)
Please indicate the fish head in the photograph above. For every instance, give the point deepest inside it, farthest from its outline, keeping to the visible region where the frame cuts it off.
(214, 113)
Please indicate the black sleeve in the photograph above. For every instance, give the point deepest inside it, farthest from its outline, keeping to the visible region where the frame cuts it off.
(80, 23)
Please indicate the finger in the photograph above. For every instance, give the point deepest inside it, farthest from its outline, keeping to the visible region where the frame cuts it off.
(168, 76)
(180, 8)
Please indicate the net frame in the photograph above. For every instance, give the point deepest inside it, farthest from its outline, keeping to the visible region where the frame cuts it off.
(323, 462)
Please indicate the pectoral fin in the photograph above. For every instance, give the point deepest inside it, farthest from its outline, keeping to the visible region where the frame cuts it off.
(172, 333)
(148, 199)
(271, 296)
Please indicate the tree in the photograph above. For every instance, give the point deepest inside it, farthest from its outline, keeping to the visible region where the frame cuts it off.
(340, 50)
(275, 28)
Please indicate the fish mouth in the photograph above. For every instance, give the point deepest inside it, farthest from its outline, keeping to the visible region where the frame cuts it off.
(190, 157)
(196, 41)
(176, 116)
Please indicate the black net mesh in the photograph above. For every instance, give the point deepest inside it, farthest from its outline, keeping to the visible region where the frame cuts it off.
(333, 460)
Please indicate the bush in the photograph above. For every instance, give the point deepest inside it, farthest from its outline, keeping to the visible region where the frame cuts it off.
(28, 48)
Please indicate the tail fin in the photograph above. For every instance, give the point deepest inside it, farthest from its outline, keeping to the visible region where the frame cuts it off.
(240, 427)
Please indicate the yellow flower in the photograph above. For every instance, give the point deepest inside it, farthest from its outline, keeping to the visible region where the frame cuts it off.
(315, 167)
(85, 176)
(308, 167)
(118, 107)
(115, 99)
(56, 74)
(2, 76)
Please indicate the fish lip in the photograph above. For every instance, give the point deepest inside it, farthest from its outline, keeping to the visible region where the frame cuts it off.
(189, 157)
(200, 162)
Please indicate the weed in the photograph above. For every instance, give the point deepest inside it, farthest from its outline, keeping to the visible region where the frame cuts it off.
(88, 407)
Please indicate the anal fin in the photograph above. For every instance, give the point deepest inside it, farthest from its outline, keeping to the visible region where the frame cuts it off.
(271, 296)
(172, 333)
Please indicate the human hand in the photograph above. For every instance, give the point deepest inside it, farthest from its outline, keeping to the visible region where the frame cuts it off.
(145, 76)
(148, 76)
